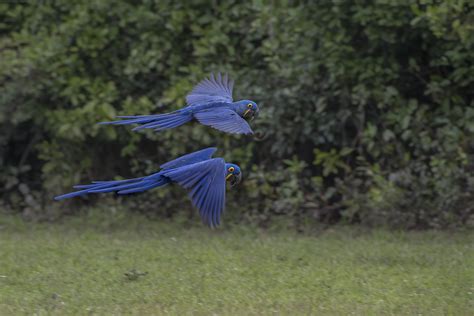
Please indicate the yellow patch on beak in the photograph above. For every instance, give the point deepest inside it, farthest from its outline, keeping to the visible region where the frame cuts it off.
(246, 112)
(228, 176)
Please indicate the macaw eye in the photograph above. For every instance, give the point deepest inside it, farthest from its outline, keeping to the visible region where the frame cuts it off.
(249, 105)
(231, 169)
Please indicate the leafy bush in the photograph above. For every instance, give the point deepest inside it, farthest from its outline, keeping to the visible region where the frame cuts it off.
(367, 109)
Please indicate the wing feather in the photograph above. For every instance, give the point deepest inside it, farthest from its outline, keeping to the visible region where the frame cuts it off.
(197, 156)
(206, 184)
(213, 89)
(224, 120)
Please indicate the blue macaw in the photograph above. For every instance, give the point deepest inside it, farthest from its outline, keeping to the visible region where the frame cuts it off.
(205, 178)
(210, 103)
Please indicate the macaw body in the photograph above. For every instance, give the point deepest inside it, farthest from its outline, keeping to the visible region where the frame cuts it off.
(209, 103)
(205, 178)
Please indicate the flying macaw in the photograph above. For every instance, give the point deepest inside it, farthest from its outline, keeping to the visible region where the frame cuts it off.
(205, 178)
(210, 103)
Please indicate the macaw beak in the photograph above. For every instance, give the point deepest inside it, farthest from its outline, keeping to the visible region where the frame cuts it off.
(249, 114)
(234, 179)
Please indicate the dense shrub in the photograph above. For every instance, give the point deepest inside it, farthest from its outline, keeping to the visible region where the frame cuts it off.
(367, 109)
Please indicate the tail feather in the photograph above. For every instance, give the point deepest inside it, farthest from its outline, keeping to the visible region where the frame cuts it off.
(105, 189)
(160, 121)
(131, 120)
(160, 125)
(121, 187)
(138, 116)
(96, 184)
(157, 122)
(138, 189)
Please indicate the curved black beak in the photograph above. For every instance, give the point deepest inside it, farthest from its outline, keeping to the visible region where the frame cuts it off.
(250, 114)
(234, 179)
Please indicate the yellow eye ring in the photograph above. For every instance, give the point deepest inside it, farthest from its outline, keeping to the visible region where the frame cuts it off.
(231, 169)
(249, 105)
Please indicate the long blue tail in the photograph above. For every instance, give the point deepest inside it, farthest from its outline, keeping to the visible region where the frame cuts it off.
(157, 122)
(121, 186)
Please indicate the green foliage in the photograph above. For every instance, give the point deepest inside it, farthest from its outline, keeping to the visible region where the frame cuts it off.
(373, 103)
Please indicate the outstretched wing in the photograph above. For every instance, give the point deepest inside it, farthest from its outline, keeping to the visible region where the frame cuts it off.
(215, 89)
(224, 120)
(197, 156)
(206, 184)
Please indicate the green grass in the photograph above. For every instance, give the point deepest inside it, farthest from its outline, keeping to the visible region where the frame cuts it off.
(136, 266)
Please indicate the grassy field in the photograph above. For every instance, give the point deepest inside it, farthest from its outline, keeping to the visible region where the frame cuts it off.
(136, 266)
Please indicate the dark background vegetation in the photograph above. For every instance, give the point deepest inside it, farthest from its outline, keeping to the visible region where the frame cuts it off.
(367, 111)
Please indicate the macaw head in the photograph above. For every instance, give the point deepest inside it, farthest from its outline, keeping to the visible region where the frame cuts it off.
(233, 175)
(246, 109)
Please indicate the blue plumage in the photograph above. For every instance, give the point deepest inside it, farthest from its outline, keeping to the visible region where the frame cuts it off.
(205, 178)
(197, 156)
(210, 103)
